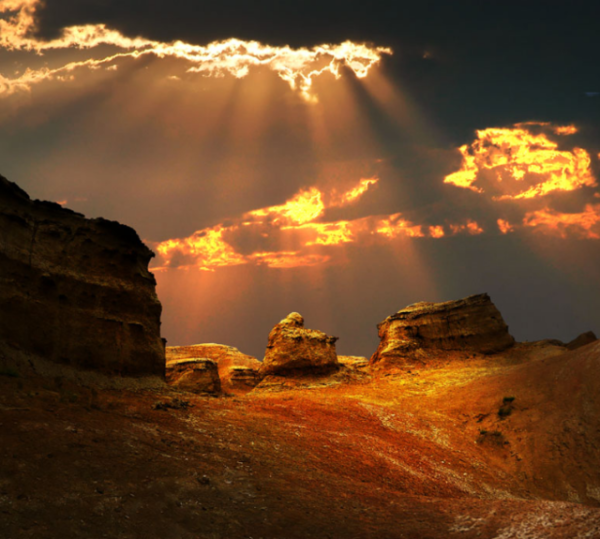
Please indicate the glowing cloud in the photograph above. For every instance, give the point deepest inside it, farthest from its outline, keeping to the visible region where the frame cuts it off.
(585, 224)
(298, 67)
(354, 194)
(504, 226)
(470, 227)
(522, 164)
(208, 249)
(306, 206)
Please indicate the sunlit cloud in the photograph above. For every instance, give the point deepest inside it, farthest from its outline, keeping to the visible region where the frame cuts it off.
(297, 222)
(522, 163)
(470, 227)
(585, 224)
(504, 226)
(298, 67)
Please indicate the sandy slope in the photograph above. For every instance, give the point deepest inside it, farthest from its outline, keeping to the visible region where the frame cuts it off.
(409, 454)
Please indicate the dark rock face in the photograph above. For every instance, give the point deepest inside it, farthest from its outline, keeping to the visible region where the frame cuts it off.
(582, 340)
(75, 291)
(198, 375)
(237, 371)
(292, 348)
(473, 324)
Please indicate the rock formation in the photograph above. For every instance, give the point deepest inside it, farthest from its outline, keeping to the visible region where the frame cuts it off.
(237, 371)
(581, 340)
(354, 362)
(198, 375)
(74, 291)
(418, 331)
(291, 348)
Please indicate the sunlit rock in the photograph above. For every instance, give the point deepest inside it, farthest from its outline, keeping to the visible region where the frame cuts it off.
(74, 292)
(237, 371)
(197, 375)
(422, 330)
(293, 348)
(353, 362)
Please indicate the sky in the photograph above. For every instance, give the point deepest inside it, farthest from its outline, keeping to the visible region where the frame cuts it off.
(338, 159)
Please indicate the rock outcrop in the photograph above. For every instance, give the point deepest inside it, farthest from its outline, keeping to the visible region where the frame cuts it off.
(237, 371)
(74, 291)
(198, 375)
(293, 348)
(582, 340)
(422, 330)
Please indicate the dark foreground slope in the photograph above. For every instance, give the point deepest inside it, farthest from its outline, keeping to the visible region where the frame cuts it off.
(424, 454)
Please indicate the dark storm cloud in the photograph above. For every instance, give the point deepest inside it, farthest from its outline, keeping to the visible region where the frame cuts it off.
(471, 48)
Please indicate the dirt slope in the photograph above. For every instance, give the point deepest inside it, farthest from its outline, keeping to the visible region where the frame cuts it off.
(349, 456)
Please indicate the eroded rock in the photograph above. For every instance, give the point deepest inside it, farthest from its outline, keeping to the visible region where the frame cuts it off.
(582, 340)
(238, 371)
(293, 348)
(74, 291)
(421, 330)
(197, 375)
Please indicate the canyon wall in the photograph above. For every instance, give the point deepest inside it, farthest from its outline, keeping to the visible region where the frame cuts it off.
(75, 291)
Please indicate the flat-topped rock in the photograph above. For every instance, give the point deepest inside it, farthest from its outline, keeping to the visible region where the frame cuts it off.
(294, 349)
(237, 371)
(472, 325)
(197, 375)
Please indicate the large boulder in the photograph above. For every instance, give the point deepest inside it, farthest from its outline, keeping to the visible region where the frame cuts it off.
(293, 348)
(74, 292)
(422, 330)
(237, 371)
(197, 375)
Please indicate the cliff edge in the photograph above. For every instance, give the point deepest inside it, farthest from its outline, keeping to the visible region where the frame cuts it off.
(74, 291)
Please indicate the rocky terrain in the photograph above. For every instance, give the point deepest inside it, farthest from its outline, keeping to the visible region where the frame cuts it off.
(238, 372)
(451, 430)
(74, 292)
(419, 332)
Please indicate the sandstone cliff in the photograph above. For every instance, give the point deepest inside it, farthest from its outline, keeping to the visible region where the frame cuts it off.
(237, 371)
(292, 347)
(472, 325)
(74, 291)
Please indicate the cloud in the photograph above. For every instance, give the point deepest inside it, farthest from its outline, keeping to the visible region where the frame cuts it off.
(585, 224)
(298, 67)
(291, 235)
(519, 163)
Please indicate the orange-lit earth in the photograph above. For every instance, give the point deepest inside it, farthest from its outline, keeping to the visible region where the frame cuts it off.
(421, 454)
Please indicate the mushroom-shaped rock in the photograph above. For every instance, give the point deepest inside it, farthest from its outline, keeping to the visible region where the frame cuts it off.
(293, 348)
(422, 330)
(198, 375)
(237, 371)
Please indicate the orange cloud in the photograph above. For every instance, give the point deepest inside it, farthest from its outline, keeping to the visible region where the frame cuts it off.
(505, 227)
(208, 249)
(298, 67)
(304, 207)
(470, 227)
(585, 224)
(522, 164)
(353, 194)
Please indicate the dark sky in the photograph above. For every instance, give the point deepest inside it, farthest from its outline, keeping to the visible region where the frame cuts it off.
(170, 159)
